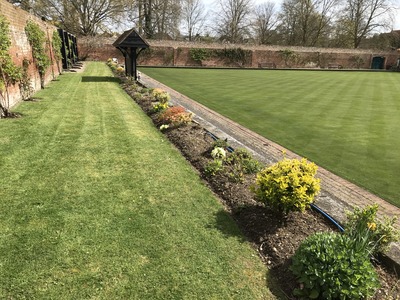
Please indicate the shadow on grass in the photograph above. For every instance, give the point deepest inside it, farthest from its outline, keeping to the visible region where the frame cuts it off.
(100, 79)
(254, 224)
(225, 224)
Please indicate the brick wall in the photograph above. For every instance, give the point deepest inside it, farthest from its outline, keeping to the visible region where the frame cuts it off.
(173, 53)
(20, 48)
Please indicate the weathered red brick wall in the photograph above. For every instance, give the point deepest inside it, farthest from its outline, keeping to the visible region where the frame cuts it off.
(20, 48)
(172, 53)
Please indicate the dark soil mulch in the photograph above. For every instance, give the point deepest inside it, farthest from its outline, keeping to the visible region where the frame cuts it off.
(275, 237)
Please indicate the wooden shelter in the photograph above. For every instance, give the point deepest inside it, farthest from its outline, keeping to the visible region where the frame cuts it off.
(130, 43)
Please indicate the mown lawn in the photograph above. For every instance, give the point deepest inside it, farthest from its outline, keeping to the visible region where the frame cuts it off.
(347, 122)
(96, 204)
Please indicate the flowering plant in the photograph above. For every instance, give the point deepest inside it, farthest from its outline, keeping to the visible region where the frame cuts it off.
(164, 127)
(160, 107)
(218, 153)
(367, 232)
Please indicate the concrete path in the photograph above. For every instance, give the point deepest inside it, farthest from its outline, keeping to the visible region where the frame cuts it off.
(337, 194)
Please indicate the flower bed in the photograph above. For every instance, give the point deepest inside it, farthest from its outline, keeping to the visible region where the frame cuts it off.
(276, 236)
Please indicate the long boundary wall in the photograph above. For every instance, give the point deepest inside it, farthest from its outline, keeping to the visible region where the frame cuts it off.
(21, 49)
(173, 53)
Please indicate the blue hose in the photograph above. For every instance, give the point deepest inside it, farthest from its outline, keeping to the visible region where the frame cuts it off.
(327, 216)
(214, 137)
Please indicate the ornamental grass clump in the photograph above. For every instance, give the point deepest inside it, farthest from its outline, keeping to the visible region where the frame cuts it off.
(368, 233)
(289, 185)
(328, 267)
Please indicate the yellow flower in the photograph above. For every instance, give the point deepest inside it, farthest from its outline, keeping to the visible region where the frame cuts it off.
(371, 226)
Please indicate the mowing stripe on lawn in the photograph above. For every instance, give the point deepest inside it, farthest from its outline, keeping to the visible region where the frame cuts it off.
(347, 122)
(96, 204)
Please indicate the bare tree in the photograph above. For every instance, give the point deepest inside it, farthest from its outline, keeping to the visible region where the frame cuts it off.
(361, 17)
(305, 22)
(82, 17)
(24, 4)
(233, 19)
(159, 17)
(194, 16)
(265, 19)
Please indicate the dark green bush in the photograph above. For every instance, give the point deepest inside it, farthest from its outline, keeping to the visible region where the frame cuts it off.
(244, 161)
(220, 143)
(200, 54)
(327, 267)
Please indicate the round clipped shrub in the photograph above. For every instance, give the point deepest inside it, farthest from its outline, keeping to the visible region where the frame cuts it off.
(327, 267)
(289, 185)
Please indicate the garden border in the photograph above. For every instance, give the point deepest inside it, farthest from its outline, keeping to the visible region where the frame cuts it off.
(337, 194)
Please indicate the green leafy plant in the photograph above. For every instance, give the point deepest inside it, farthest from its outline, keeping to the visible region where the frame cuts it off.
(289, 185)
(244, 160)
(213, 167)
(237, 56)
(328, 267)
(37, 40)
(56, 42)
(289, 57)
(220, 143)
(10, 73)
(367, 232)
(239, 163)
(200, 54)
(175, 116)
(25, 85)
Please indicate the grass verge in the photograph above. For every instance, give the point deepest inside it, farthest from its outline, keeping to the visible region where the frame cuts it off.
(96, 204)
(346, 122)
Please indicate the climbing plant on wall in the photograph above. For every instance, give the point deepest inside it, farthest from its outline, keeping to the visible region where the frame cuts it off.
(37, 40)
(25, 85)
(10, 73)
(57, 44)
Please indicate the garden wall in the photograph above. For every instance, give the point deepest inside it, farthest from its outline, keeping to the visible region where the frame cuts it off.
(173, 53)
(21, 49)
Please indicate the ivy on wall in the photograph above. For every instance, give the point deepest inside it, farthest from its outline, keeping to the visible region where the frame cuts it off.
(56, 42)
(10, 73)
(37, 40)
(25, 82)
(235, 56)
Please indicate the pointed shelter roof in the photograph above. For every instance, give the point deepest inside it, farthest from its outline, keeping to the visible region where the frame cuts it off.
(130, 39)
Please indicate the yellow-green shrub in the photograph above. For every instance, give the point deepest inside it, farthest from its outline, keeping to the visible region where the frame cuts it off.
(289, 185)
(160, 95)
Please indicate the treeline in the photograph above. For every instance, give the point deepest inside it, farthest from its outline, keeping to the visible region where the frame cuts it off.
(309, 23)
